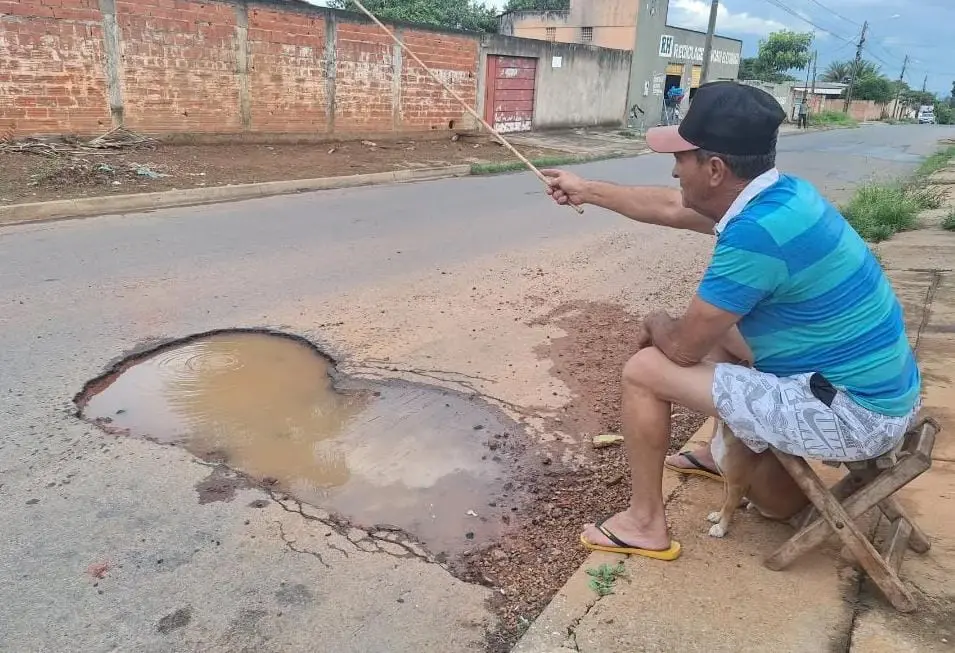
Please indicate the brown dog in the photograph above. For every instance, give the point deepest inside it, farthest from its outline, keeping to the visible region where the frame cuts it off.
(759, 478)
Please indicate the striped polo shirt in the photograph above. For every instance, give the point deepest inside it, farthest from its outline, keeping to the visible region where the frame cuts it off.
(812, 296)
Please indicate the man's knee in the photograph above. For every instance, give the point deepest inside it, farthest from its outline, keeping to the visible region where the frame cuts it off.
(643, 369)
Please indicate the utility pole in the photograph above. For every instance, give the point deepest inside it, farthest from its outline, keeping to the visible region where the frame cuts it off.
(804, 109)
(855, 67)
(708, 45)
(815, 60)
(897, 112)
(924, 83)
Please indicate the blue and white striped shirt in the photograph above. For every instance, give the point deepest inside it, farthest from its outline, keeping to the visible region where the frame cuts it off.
(812, 296)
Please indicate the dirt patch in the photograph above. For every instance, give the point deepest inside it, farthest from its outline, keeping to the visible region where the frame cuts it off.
(30, 177)
(178, 619)
(542, 549)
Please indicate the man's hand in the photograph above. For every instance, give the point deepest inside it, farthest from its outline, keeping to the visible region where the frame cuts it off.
(652, 323)
(565, 187)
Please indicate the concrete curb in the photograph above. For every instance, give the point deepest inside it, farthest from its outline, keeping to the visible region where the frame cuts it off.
(117, 204)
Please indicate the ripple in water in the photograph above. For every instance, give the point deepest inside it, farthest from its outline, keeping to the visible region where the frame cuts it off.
(395, 453)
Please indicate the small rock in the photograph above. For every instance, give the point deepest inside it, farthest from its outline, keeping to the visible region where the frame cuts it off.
(607, 440)
(471, 513)
(498, 555)
(469, 535)
(615, 480)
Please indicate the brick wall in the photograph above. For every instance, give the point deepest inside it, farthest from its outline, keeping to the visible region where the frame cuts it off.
(222, 67)
(52, 67)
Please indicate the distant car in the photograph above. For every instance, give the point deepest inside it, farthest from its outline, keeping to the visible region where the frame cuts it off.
(926, 116)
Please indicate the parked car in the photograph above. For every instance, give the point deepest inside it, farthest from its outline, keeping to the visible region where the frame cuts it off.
(926, 115)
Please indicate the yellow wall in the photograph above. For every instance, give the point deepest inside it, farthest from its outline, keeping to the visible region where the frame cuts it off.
(614, 23)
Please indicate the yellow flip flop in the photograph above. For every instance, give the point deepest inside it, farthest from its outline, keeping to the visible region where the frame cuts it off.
(625, 549)
(698, 469)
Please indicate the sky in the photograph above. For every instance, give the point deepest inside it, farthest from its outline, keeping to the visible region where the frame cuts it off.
(923, 29)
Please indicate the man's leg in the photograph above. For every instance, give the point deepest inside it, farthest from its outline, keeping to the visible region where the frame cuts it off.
(651, 384)
(733, 349)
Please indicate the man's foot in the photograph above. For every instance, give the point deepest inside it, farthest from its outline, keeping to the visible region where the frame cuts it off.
(622, 531)
(698, 462)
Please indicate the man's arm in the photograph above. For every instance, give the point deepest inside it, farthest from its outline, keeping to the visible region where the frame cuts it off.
(657, 205)
(688, 339)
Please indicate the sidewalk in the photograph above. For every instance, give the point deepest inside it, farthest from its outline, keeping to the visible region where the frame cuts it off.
(718, 596)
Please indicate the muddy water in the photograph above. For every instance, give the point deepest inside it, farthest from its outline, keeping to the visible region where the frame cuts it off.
(400, 454)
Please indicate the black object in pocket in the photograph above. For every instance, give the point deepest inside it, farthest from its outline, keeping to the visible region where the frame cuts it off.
(821, 389)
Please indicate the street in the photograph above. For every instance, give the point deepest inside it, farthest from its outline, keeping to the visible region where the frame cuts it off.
(441, 283)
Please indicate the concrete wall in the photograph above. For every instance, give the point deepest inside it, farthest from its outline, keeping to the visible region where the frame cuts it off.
(658, 44)
(223, 67)
(783, 94)
(613, 23)
(587, 87)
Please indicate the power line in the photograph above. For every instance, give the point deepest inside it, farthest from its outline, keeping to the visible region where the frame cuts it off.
(794, 14)
(834, 12)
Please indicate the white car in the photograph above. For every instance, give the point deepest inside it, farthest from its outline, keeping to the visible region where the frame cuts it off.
(926, 116)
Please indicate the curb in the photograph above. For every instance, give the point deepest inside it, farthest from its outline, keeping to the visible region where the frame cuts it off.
(117, 204)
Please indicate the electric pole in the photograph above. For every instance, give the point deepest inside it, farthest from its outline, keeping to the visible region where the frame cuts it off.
(924, 83)
(708, 45)
(805, 94)
(815, 60)
(897, 113)
(855, 67)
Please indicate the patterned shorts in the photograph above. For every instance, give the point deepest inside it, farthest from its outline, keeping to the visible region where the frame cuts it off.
(802, 415)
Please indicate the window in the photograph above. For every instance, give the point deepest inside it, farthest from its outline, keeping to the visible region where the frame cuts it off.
(551, 33)
(586, 34)
(666, 45)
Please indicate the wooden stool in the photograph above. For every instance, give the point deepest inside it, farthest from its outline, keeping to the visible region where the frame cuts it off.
(868, 484)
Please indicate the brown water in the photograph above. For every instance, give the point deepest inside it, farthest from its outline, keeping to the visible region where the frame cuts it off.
(401, 454)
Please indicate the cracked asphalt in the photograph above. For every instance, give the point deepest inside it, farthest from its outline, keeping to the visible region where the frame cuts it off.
(446, 276)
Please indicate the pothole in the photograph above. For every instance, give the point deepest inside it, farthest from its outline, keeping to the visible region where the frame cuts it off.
(273, 407)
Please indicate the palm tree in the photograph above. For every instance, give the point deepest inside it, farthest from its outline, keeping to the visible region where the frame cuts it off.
(841, 71)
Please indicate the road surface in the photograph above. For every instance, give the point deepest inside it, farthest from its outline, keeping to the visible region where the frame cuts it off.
(444, 276)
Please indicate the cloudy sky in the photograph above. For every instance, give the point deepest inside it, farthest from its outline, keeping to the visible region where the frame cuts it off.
(923, 29)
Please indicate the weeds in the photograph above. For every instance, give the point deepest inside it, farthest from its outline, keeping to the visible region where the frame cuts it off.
(603, 578)
(948, 223)
(833, 119)
(877, 212)
(937, 161)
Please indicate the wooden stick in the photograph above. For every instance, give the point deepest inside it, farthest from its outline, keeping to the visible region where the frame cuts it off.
(457, 97)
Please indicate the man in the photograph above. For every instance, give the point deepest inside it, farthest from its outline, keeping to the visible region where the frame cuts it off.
(791, 288)
(804, 114)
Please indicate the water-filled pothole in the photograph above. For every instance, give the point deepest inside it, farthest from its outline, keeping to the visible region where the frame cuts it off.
(272, 407)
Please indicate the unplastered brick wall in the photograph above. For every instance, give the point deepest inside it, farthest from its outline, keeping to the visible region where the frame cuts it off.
(223, 67)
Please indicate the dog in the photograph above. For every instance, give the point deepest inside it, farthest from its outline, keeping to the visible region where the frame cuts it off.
(754, 480)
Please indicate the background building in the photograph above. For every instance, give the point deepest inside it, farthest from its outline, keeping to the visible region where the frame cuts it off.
(664, 56)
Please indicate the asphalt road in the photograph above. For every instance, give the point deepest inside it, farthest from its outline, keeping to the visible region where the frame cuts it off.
(391, 263)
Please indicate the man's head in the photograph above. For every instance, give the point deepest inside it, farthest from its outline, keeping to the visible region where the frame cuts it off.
(727, 138)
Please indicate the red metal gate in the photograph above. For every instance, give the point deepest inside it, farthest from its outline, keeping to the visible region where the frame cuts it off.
(509, 102)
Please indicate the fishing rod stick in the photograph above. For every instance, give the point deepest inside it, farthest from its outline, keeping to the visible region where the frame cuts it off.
(457, 97)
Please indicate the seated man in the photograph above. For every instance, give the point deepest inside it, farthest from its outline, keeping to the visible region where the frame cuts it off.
(833, 375)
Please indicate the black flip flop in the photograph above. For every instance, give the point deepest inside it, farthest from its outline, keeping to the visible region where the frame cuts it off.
(698, 469)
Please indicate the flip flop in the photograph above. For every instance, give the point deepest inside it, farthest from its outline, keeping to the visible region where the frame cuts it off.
(623, 548)
(698, 469)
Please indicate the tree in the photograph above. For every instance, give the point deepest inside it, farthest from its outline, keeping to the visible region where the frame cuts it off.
(779, 53)
(841, 71)
(469, 15)
(874, 87)
(537, 5)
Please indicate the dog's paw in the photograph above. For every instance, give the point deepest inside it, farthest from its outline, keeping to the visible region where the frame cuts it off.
(717, 531)
(714, 517)
(750, 505)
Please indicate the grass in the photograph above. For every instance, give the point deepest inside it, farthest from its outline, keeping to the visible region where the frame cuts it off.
(948, 223)
(936, 162)
(603, 578)
(879, 211)
(541, 162)
(832, 119)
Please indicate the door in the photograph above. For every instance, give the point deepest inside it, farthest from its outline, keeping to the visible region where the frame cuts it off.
(509, 99)
(697, 74)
